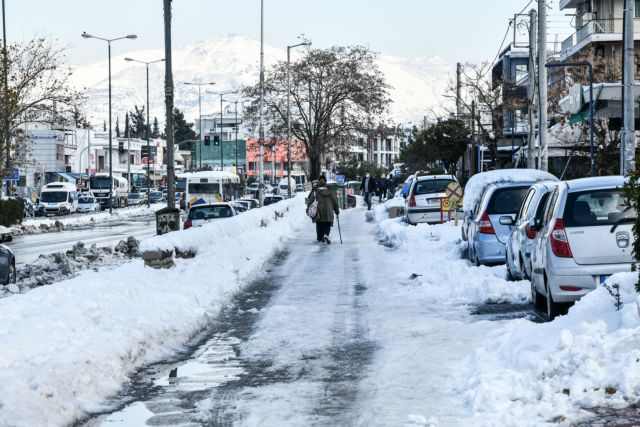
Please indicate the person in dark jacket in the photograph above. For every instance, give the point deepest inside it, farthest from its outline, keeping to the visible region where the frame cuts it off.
(368, 187)
(391, 187)
(327, 207)
(382, 188)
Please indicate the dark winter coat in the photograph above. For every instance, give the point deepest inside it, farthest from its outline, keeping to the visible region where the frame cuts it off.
(382, 184)
(327, 204)
(372, 184)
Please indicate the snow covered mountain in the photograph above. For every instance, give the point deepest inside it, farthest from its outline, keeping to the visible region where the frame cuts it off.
(232, 61)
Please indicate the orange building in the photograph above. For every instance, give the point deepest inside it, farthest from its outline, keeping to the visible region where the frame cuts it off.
(298, 158)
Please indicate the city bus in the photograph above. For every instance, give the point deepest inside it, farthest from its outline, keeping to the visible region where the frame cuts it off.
(208, 187)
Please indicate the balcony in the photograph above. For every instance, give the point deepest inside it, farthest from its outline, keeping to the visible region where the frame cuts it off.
(593, 31)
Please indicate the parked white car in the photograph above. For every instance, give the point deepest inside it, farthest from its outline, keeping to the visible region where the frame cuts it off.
(200, 214)
(88, 203)
(422, 203)
(584, 237)
(520, 243)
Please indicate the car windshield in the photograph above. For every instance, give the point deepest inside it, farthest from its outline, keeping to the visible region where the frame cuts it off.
(155, 194)
(53, 196)
(97, 182)
(597, 207)
(210, 212)
(86, 200)
(430, 186)
(506, 200)
(134, 196)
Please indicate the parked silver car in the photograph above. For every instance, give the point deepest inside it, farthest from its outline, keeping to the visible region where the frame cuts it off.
(584, 237)
(198, 215)
(520, 243)
(422, 203)
(488, 229)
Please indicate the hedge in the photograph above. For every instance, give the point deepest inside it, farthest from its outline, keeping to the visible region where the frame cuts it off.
(11, 212)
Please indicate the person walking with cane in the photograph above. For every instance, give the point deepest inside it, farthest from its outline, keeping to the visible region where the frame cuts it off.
(367, 188)
(326, 206)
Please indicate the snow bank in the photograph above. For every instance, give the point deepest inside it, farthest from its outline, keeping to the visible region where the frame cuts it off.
(81, 220)
(66, 348)
(588, 358)
(432, 256)
(478, 182)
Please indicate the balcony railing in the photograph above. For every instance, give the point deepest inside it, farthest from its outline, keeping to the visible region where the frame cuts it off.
(595, 26)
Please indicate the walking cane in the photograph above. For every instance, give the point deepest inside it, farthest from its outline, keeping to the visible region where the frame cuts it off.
(339, 231)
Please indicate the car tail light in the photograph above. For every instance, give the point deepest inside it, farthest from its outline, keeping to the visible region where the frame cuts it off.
(570, 288)
(559, 242)
(531, 234)
(485, 224)
(412, 201)
(187, 224)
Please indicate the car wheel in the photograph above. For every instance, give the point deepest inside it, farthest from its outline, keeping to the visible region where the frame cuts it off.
(552, 309)
(537, 300)
(12, 272)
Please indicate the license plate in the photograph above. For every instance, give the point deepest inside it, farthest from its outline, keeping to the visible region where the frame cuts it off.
(603, 278)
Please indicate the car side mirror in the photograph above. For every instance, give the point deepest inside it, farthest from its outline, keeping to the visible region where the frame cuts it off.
(506, 220)
(535, 224)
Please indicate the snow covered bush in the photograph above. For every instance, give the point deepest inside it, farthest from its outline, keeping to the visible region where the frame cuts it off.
(631, 192)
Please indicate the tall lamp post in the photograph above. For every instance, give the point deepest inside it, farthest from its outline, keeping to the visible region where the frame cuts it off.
(132, 37)
(289, 112)
(222, 94)
(146, 63)
(200, 113)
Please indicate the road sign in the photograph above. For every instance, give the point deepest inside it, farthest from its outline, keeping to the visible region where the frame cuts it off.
(453, 192)
(446, 205)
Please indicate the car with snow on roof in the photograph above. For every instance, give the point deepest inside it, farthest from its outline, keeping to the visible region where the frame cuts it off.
(488, 224)
(584, 236)
(422, 203)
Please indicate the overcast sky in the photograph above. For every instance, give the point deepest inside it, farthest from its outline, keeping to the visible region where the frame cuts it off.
(462, 30)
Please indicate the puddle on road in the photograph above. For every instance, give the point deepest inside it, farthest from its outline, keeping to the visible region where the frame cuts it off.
(215, 366)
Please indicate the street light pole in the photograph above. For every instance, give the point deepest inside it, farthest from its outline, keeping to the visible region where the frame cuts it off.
(146, 63)
(132, 37)
(261, 104)
(221, 146)
(200, 114)
(5, 61)
(289, 113)
(236, 140)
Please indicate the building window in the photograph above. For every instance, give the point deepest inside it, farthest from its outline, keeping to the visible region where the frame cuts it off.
(388, 144)
(252, 166)
(637, 9)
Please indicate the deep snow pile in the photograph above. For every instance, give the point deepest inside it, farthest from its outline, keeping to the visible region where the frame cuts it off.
(432, 256)
(65, 348)
(51, 268)
(478, 182)
(588, 358)
(84, 220)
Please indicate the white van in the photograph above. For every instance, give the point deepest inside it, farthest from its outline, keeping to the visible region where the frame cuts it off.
(58, 198)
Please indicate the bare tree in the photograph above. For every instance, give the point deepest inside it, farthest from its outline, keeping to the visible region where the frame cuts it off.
(335, 92)
(38, 90)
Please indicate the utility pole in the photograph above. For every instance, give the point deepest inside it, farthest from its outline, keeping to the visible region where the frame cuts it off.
(5, 63)
(221, 146)
(236, 129)
(168, 99)
(628, 149)
(474, 149)
(129, 160)
(458, 87)
(260, 107)
(543, 152)
(533, 36)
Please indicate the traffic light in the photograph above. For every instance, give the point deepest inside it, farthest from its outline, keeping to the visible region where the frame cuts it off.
(207, 140)
(216, 140)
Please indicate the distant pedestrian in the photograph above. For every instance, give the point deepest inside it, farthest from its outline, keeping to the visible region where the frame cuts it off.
(391, 187)
(382, 188)
(327, 206)
(367, 188)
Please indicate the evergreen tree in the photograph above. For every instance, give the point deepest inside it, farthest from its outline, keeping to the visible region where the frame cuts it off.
(155, 132)
(183, 130)
(138, 122)
(127, 126)
(117, 127)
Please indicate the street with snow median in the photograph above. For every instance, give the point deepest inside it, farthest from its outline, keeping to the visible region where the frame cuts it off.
(392, 327)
